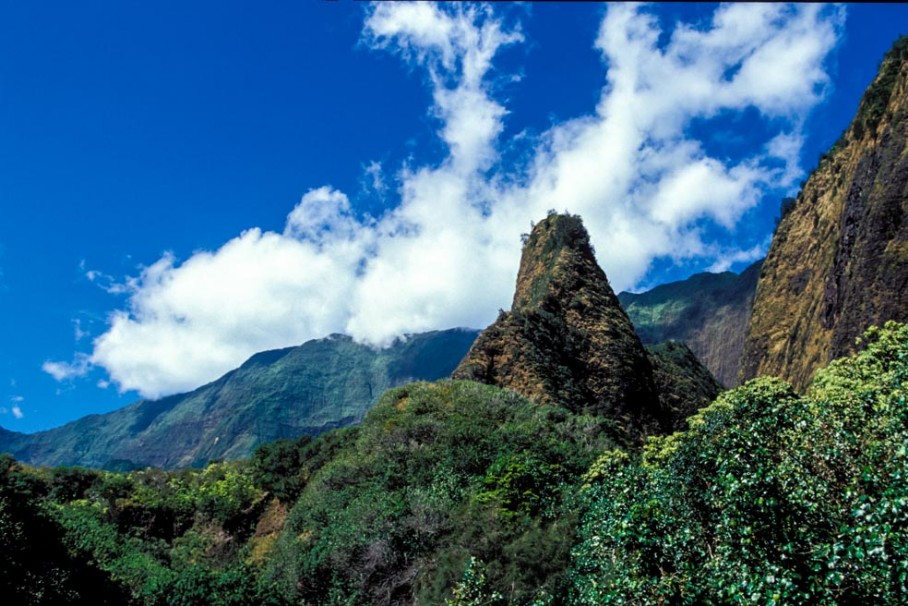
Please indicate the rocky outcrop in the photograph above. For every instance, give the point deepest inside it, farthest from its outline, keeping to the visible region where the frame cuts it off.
(710, 312)
(566, 339)
(839, 258)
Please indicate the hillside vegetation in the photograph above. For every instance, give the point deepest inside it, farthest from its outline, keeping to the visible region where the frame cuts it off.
(468, 493)
(768, 498)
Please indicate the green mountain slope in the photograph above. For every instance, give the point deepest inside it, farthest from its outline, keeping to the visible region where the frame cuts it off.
(709, 312)
(684, 385)
(437, 474)
(309, 389)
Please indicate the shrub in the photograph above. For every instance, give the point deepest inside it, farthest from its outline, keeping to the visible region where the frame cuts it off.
(768, 498)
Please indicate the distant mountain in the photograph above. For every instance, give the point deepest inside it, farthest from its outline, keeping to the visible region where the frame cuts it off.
(710, 312)
(303, 390)
(839, 258)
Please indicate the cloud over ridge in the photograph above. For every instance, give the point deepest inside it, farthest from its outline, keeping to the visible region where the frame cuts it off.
(446, 252)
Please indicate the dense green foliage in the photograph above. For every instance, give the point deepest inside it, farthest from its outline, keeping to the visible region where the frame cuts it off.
(283, 468)
(464, 494)
(35, 565)
(467, 494)
(76, 536)
(768, 498)
(439, 474)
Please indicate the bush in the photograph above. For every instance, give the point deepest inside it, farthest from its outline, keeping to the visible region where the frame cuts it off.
(769, 497)
(436, 474)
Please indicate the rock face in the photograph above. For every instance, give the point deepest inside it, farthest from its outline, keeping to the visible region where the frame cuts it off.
(839, 258)
(286, 393)
(566, 339)
(709, 312)
(683, 383)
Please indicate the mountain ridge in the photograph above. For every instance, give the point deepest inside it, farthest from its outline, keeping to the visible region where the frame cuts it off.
(305, 390)
(710, 312)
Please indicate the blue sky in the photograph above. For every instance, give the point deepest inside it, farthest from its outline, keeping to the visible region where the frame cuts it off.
(183, 184)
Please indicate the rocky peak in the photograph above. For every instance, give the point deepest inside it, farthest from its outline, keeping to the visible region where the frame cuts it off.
(839, 258)
(555, 254)
(566, 339)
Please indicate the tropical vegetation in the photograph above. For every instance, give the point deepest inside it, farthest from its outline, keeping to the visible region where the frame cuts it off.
(469, 494)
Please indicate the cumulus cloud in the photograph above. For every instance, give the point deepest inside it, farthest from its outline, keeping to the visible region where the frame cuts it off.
(261, 290)
(634, 173)
(445, 253)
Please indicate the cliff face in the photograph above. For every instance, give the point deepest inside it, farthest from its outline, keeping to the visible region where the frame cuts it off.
(708, 312)
(566, 339)
(839, 258)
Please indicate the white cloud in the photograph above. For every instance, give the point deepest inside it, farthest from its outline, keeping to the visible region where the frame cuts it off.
(787, 148)
(446, 253)
(64, 371)
(260, 290)
(457, 48)
(78, 332)
(14, 410)
(725, 259)
(107, 282)
(374, 178)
